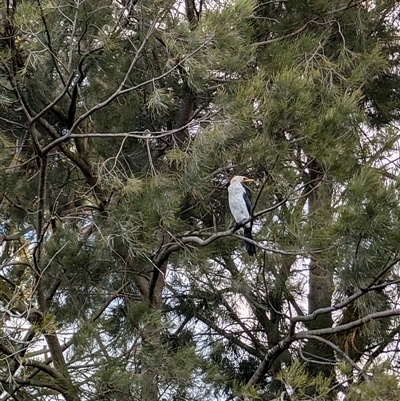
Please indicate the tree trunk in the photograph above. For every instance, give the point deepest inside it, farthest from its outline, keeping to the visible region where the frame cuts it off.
(319, 357)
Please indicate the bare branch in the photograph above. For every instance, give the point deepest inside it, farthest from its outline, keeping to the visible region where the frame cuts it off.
(349, 326)
(339, 351)
(16, 236)
(120, 91)
(347, 301)
(55, 101)
(284, 344)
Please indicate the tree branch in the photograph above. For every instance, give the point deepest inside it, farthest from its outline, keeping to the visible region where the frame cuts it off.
(339, 351)
(172, 247)
(284, 344)
(348, 300)
(120, 91)
(16, 236)
(229, 336)
(349, 326)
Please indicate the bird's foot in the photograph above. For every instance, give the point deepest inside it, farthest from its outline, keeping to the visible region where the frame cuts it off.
(238, 226)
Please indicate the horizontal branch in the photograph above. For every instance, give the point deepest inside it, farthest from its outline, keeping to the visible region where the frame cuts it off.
(314, 20)
(14, 237)
(276, 250)
(10, 353)
(174, 246)
(289, 35)
(146, 135)
(120, 90)
(6, 120)
(28, 382)
(284, 344)
(338, 350)
(348, 326)
(350, 299)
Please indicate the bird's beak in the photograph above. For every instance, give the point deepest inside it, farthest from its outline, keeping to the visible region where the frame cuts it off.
(248, 180)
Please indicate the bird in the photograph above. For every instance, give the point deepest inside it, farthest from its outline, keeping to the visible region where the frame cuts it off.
(241, 207)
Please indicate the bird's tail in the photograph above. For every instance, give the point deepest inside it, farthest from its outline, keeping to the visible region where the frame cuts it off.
(250, 248)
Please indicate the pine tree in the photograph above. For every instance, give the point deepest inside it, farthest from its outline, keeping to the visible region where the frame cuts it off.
(122, 275)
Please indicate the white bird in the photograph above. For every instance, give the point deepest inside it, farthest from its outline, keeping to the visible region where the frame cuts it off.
(240, 206)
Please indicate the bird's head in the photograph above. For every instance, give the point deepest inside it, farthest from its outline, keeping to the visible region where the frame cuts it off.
(241, 179)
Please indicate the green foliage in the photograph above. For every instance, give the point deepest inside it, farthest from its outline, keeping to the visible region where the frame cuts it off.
(381, 385)
(160, 102)
(121, 126)
(296, 378)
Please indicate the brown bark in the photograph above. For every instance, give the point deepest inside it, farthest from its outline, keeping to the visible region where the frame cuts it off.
(320, 293)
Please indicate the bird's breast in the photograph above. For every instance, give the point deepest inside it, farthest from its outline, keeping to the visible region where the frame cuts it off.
(237, 203)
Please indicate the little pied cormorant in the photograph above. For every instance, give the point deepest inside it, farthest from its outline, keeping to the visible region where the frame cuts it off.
(241, 207)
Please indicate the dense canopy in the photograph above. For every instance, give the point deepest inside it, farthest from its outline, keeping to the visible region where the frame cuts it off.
(122, 276)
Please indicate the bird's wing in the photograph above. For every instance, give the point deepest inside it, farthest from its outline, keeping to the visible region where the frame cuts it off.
(247, 200)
